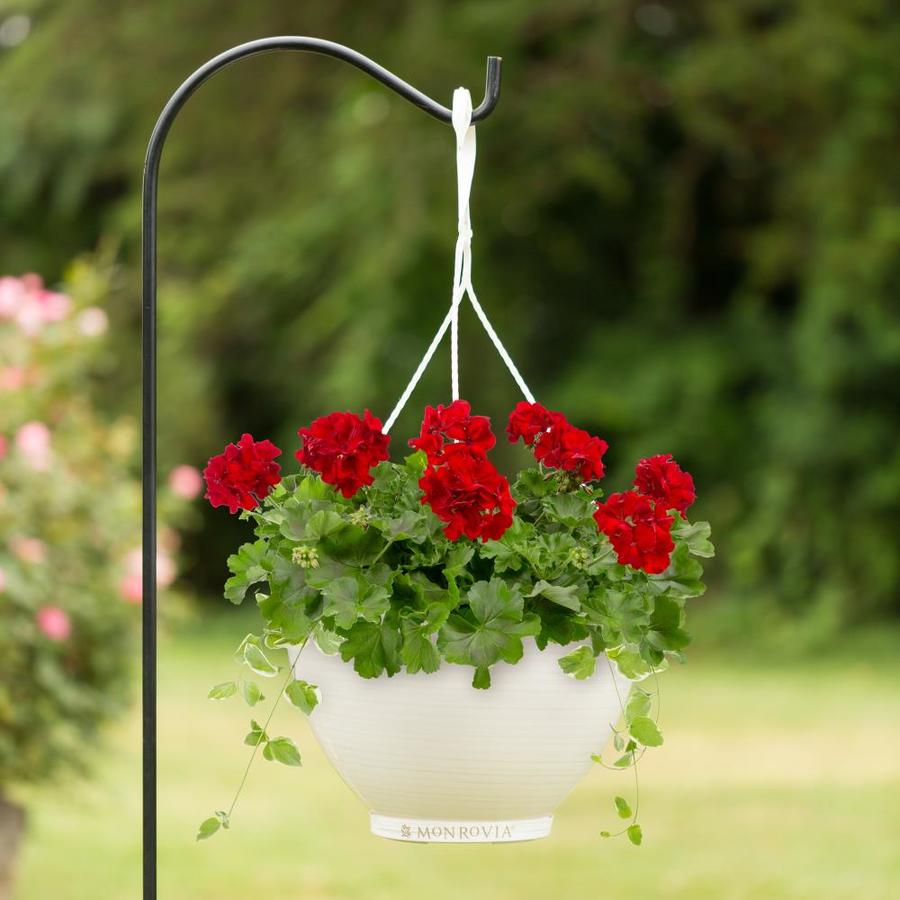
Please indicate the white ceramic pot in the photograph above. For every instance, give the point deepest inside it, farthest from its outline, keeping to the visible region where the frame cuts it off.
(435, 760)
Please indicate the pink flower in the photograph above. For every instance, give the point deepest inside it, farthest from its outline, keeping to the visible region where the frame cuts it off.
(2, 581)
(132, 588)
(165, 569)
(12, 296)
(54, 623)
(92, 322)
(186, 482)
(131, 585)
(33, 442)
(29, 549)
(12, 378)
(4, 446)
(30, 304)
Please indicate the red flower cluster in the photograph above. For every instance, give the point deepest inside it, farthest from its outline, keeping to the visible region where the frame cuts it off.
(557, 443)
(461, 485)
(638, 529)
(663, 480)
(468, 493)
(243, 474)
(343, 448)
(453, 423)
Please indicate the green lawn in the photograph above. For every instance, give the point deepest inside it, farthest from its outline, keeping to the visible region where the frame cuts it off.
(752, 796)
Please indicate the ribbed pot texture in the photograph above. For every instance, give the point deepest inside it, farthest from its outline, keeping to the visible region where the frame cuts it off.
(434, 759)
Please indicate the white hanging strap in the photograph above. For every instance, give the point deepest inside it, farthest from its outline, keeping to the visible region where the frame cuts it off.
(462, 267)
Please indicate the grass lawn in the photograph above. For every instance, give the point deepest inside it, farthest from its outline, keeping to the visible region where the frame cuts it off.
(753, 796)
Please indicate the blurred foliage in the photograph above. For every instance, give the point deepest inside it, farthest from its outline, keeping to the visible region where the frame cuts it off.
(69, 530)
(687, 219)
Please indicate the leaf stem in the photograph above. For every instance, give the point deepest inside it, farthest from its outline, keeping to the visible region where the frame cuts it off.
(265, 727)
(381, 553)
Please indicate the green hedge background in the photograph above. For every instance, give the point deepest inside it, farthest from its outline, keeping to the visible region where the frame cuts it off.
(687, 225)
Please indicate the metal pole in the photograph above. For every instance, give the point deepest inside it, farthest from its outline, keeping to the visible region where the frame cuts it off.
(149, 370)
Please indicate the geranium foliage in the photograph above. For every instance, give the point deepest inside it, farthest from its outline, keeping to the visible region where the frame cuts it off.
(438, 559)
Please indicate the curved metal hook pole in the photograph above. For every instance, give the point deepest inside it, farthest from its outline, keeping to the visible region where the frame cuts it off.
(148, 251)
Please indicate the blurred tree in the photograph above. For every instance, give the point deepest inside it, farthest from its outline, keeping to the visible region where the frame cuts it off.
(686, 218)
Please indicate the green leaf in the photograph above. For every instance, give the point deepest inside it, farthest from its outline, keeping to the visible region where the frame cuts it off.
(416, 463)
(411, 524)
(283, 750)
(622, 611)
(605, 834)
(303, 695)
(695, 535)
(322, 523)
(510, 551)
(248, 566)
(458, 557)
(622, 807)
(666, 632)
(348, 599)
(683, 575)
(604, 558)
(208, 827)
(505, 558)
(329, 569)
(256, 734)
(530, 483)
(286, 609)
(222, 691)
(570, 509)
(491, 629)
(252, 693)
(329, 642)
(353, 546)
(482, 678)
(418, 651)
(629, 662)
(313, 488)
(635, 835)
(638, 705)
(579, 663)
(623, 762)
(562, 596)
(374, 648)
(256, 660)
(644, 730)
(618, 742)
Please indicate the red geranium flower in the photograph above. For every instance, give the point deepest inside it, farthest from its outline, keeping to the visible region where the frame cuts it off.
(453, 423)
(243, 474)
(563, 446)
(663, 480)
(468, 493)
(527, 421)
(556, 443)
(638, 529)
(343, 448)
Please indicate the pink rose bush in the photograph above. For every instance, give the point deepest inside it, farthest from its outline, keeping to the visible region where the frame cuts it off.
(70, 562)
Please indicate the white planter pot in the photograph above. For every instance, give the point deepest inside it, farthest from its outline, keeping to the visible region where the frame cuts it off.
(435, 760)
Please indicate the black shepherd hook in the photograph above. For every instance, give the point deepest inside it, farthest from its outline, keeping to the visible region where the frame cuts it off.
(148, 250)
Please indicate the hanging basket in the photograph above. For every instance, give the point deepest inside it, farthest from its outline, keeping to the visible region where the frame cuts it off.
(465, 647)
(436, 761)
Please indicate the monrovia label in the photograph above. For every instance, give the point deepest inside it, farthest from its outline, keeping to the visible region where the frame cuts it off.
(494, 831)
